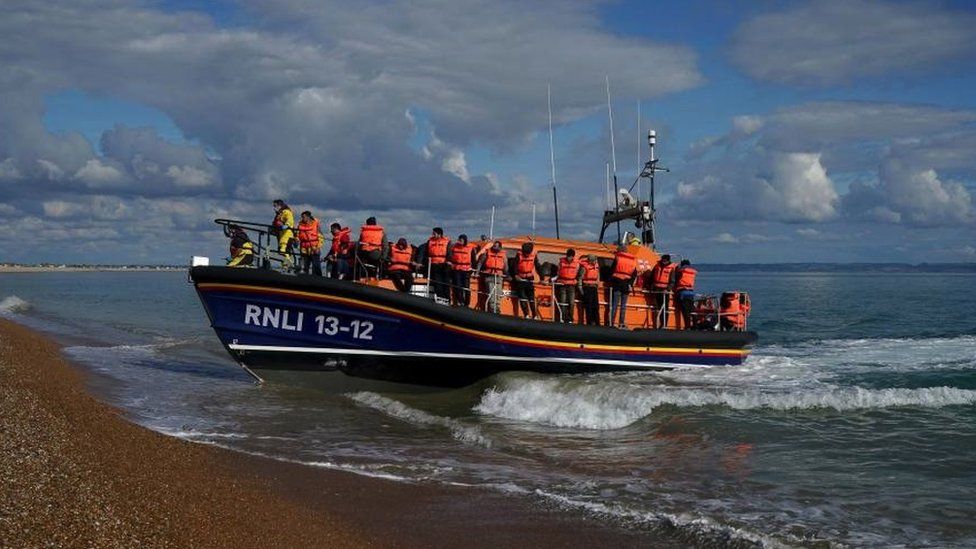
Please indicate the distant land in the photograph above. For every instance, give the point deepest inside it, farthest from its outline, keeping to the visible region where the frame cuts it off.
(841, 267)
(726, 267)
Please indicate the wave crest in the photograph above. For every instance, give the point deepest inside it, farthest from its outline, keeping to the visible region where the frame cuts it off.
(399, 410)
(13, 304)
(613, 405)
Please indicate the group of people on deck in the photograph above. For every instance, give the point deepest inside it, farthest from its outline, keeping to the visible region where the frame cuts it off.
(450, 266)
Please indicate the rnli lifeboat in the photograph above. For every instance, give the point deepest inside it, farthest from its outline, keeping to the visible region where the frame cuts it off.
(272, 320)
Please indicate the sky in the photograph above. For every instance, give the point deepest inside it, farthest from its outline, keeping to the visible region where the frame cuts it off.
(828, 131)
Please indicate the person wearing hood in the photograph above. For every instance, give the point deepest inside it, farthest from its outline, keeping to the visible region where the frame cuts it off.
(241, 248)
(283, 229)
(340, 253)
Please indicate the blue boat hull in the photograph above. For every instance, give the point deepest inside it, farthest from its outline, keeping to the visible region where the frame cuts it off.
(271, 321)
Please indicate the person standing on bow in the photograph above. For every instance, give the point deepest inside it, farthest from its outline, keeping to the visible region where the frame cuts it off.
(662, 279)
(588, 284)
(340, 253)
(461, 256)
(684, 293)
(436, 255)
(310, 242)
(566, 279)
(526, 267)
(369, 249)
(624, 272)
(282, 228)
(494, 268)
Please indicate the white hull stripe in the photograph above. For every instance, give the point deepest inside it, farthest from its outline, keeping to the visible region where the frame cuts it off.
(419, 354)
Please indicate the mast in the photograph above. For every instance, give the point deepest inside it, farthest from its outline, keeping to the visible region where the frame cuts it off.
(613, 157)
(552, 158)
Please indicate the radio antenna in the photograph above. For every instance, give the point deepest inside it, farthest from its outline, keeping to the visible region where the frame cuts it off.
(613, 157)
(552, 157)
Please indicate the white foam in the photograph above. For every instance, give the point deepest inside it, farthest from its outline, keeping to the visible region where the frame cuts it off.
(612, 405)
(399, 410)
(13, 304)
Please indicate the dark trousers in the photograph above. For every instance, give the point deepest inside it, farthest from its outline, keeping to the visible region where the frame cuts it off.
(402, 280)
(566, 299)
(619, 293)
(685, 304)
(461, 288)
(339, 268)
(312, 261)
(660, 307)
(440, 280)
(591, 305)
(525, 292)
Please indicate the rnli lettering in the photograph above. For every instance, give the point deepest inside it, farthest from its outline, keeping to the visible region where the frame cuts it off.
(293, 321)
(273, 317)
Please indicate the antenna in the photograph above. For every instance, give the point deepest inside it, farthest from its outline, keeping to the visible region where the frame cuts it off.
(533, 218)
(552, 158)
(613, 156)
(640, 165)
(491, 225)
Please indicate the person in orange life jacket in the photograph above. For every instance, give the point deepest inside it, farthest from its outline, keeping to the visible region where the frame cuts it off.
(623, 273)
(281, 228)
(482, 247)
(733, 316)
(310, 244)
(662, 279)
(341, 251)
(400, 265)
(435, 255)
(493, 266)
(684, 288)
(241, 248)
(461, 256)
(526, 267)
(567, 276)
(587, 282)
(370, 248)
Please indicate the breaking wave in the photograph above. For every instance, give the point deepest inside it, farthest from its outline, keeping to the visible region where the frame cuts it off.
(399, 410)
(613, 405)
(13, 304)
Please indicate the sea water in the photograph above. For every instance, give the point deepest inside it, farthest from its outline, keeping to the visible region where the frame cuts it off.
(852, 423)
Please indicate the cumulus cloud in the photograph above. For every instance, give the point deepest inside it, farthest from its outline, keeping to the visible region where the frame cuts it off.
(789, 187)
(838, 41)
(305, 100)
(909, 163)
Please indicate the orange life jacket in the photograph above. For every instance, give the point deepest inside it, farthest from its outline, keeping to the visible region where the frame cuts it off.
(495, 262)
(308, 235)
(591, 273)
(686, 278)
(340, 243)
(400, 258)
(525, 265)
(626, 264)
(370, 237)
(461, 257)
(437, 249)
(661, 275)
(568, 270)
(732, 311)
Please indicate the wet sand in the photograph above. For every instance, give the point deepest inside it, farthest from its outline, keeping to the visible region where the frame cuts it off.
(74, 472)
